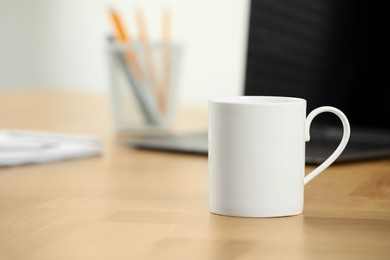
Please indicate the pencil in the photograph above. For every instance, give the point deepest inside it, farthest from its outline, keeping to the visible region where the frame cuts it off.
(143, 95)
(148, 55)
(165, 39)
(125, 39)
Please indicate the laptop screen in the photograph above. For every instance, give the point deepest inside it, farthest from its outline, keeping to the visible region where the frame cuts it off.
(328, 52)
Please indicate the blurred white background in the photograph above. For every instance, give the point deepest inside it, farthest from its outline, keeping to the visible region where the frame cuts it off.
(62, 44)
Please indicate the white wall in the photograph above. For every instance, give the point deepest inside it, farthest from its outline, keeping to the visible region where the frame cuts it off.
(61, 44)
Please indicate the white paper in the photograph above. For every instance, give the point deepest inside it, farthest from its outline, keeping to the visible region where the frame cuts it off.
(28, 147)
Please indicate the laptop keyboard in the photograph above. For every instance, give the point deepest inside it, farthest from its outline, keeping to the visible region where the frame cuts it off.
(361, 146)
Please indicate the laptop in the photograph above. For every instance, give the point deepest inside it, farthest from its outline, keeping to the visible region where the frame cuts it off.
(327, 52)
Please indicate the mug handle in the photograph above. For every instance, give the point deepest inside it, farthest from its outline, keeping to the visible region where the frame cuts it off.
(339, 149)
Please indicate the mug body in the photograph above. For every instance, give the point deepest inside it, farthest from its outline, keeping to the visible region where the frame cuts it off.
(256, 156)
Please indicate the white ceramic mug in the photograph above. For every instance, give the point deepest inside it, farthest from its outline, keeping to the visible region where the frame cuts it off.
(257, 154)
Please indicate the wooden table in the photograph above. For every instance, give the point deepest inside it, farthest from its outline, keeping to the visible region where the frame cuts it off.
(133, 204)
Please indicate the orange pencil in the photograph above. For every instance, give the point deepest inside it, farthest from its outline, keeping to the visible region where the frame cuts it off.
(165, 38)
(149, 58)
(125, 39)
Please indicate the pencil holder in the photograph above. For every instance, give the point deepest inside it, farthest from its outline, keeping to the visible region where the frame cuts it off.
(143, 87)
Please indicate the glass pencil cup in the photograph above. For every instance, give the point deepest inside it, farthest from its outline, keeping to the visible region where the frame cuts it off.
(143, 87)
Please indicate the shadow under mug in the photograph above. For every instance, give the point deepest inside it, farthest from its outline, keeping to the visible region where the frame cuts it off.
(257, 154)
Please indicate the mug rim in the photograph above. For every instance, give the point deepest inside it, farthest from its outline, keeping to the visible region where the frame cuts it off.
(256, 100)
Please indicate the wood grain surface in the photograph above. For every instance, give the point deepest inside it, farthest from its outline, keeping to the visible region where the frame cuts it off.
(134, 204)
